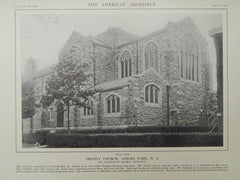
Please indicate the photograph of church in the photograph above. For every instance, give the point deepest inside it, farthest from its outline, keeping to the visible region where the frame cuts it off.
(162, 78)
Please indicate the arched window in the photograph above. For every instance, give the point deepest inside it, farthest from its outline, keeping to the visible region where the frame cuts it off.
(112, 103)
(125, 64)
(152, 94)
(151, 56)
(189, 58)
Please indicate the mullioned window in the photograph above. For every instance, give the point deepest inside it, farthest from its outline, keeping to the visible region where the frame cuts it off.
(126, 64)
(189, 58)
(151, 56)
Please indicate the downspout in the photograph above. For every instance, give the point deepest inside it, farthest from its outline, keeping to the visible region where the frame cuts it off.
(137, 58)
(68, 116)
(168, 108)
(94, 66)
(114, 64)
(99, 109)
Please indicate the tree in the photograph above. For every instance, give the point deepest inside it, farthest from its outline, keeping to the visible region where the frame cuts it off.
(28, 101)
(30, 68)
(69, 85)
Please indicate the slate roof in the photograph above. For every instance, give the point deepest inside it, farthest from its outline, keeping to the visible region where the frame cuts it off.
(113, 84)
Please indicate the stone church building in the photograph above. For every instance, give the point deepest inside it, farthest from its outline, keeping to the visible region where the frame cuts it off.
(158, 79)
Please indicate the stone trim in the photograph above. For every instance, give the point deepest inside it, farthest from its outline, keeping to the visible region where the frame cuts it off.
(155, 72)
(215, 31)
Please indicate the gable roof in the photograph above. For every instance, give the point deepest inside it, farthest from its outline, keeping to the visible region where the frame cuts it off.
(115, 36)
(152, 71)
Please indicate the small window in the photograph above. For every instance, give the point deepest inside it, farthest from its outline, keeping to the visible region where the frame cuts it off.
(88, 110)
(152, 94)
(112, 104)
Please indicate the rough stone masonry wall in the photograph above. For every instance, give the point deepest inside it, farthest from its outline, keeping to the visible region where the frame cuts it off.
(145, 114)
(206, 79)
(133, 110)
(85, 46)
(123, 118)
(89, 120)
(84, 53)
(161, 40)
(77, 119)
(140, 113)
(187, 98)
(42, 118)
(104, 65)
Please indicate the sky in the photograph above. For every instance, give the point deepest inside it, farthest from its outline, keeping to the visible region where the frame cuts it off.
(44, 34)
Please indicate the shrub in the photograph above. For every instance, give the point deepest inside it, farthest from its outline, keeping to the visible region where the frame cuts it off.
(39, 136)
(29, 138)
(134, 140)
(138, 129)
